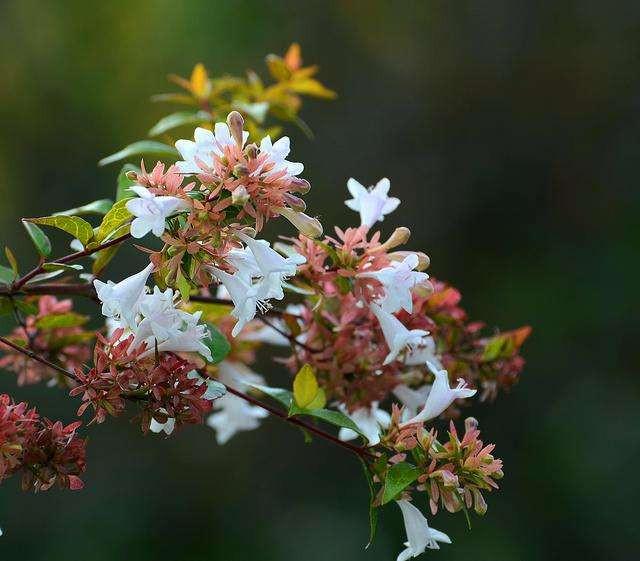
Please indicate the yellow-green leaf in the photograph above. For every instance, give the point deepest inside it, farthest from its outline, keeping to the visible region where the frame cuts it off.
(39, 238)
(104, 256)
(70, 319)
(113, 220)
(74, 225)
(305, 387)
(149, 148)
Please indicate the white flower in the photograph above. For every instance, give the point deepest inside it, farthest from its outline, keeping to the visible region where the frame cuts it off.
(269, 261)
(167, 328)
(397, 280)
(372, 203)
(419, 535)
(151, 211)
(397, 335)
(440, 396)
(233, 414)
(246, 297)
(425, 352)
(120, 301)
(277, 154)
(166, 427)
(206, 145)
(370, 421)
(245, 263)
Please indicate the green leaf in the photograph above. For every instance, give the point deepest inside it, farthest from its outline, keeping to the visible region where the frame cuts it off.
(53, 266)
(305, 387)
(7, 276)
(124, 182)
(399, 477)
(39, 238)
(179, 119)
(285, 397)
(74, 225)
(70, 319)
(96, 207)
(113, 220)
(12, 260)
(373, 511)
(333, 417)
(5, 306)
(26, 308)
(217, 343)
(149, 148)
(210, 312)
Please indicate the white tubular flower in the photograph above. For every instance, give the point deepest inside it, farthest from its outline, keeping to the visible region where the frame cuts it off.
(440, 396)
(232, 413)
(269, 260)
(166, 427)
(425, 352)
(370, 420)
(396, 335)
(207, 145)
(245, 296)
(277, 154)
(245, 263)
(419, 535)
(120, 301)
(151, 211)
(398, 279)
(372, 203)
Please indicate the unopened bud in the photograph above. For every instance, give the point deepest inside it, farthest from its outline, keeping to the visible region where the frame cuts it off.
(131, 175)
(423, 289)
(300, 185)
(239, 196)
(306, 225)
(236, 125)
(251, 151)
(296, 203)
(399, 237)
(470, 423)
(240, 170)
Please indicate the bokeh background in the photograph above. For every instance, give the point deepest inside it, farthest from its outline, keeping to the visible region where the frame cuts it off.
(509, 129)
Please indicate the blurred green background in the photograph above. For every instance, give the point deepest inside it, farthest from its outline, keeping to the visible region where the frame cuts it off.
(509, 130)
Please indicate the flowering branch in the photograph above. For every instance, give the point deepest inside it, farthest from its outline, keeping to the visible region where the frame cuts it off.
(35, 356)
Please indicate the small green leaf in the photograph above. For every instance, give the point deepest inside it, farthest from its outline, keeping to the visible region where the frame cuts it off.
(96, 207)
(26, 308)
(12, 260)
(39, 238)
(399, 477)
(179, 119)
(285, 397)
(5, 306)
(149, 148)
(70, 319)
(7, 276)
(74, 225)
(210, 312)
(333, 417)
(217, 343)
(123, 183)
(113, 220)
(53, 266)
(305, 387)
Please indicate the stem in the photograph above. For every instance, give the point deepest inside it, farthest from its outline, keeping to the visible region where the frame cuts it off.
(17, 285)
(359, 450)
(38, 358)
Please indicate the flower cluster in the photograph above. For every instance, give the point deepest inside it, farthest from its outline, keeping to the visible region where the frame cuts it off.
(45, 452)
(454, 473)
(55, 332)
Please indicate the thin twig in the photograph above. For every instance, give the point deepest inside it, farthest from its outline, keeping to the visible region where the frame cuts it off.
(38, 358)
(359, 450)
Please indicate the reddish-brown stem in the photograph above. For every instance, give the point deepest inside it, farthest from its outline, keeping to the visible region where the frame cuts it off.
(359, 450)
(35, 356)
(67, 259)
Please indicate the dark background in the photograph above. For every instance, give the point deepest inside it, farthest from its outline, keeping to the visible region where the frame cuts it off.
(510, 131)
